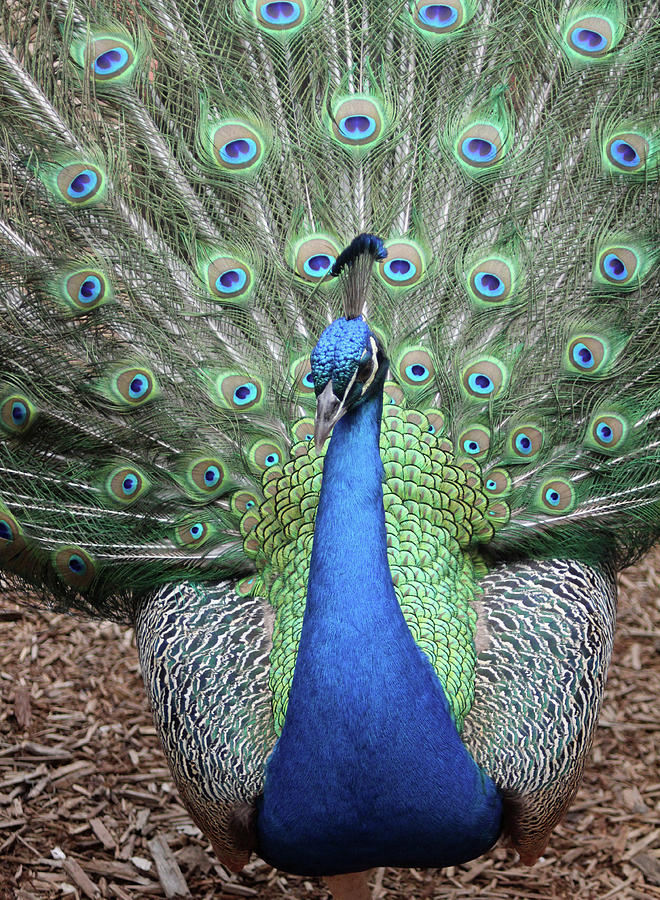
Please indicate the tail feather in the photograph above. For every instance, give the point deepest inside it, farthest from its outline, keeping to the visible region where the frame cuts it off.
(176, 187)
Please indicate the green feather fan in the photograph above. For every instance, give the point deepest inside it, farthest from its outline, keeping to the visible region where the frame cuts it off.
(179, 180)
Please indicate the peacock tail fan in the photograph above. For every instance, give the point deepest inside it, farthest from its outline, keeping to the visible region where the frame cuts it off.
(178, 180)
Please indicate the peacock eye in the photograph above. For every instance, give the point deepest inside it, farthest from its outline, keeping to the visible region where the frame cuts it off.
(280, 15)
(237, 146)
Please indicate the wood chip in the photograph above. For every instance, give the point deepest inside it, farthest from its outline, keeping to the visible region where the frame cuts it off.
(103, 834)
(75, 871)
(169, 873)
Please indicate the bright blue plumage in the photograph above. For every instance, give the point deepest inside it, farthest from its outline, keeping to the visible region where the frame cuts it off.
(333, 801)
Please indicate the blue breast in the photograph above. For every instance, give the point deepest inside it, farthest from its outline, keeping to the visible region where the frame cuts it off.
(369, 769)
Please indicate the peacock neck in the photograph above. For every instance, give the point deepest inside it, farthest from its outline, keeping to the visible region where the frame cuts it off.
(349, 573)
(369, 768)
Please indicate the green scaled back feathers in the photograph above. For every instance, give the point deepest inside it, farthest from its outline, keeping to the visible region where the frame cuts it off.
(176, 186)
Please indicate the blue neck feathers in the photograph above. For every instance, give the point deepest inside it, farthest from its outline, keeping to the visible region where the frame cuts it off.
(369, 769)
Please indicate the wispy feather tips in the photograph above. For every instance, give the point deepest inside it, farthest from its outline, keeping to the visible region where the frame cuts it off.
(357, 260)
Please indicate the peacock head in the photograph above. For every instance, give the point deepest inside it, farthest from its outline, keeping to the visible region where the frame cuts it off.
(348, 367)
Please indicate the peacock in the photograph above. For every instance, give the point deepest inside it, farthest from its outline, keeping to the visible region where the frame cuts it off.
(330, 361)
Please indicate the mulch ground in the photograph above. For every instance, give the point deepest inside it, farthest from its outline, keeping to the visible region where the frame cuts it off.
(87, 808)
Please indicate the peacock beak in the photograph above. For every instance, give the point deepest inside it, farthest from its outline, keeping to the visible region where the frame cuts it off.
(329, 409)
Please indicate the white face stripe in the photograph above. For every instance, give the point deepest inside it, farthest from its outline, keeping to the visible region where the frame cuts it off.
(374, 361)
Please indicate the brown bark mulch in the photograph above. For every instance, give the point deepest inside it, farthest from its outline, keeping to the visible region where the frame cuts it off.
(87, 808)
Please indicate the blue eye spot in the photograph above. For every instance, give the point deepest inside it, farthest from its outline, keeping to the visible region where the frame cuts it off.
(417, 372)
(111, 61)
(552, 497)
(239, 151)
(489, 285)
(77, 564)
(319, 265)
(83, 184)
(231, 281)
(272, 459)
(309, 437)
(90, 289)
(491, 484)
(481, 384)
(472, 447)
(478, 149)
(400, 269)
(357, 127)
(130, 484)
(431, 429)
(138, 387)
(19, 412)
(211, 476)
(308, 381)
(615, 268)
(624, 154)
(249, 504)
(6, 534)
(196, 530)
(281, 12)
(523, 444)
(582, 356)
(245, 393)
(604, 433)
(587, 40)
(438, 15)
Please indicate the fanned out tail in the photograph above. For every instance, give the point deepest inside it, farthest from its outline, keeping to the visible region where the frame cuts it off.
(177, 185)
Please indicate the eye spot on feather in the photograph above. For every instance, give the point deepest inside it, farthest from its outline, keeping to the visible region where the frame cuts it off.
(617, 265)
(484, 379)
(10, 530)
(75, 567)
(242, 501)
(303, 429)
(79, 183)
(246, 586)
(86, 289)
(237, 147)
(314, 258)
(357, 122)
(211, 475)
(440, 18)
(228, 278)
(480, 146)
(498, 482)
(606, 432)
(125, 485)
(436, 421)
(491, 281)
(403, 266)
(557, 496)
(265, 455)
(526, 442)
(111, 58)
(135, 386)
(587, 354)
(17, 414)
(591, 36)
(416, 368)
(192, 533)
(392, 394)
(498, 514)
(239, 392)
(245, 393)
(280, 15)
(301, 375)
(627, 152)
(475, 441)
